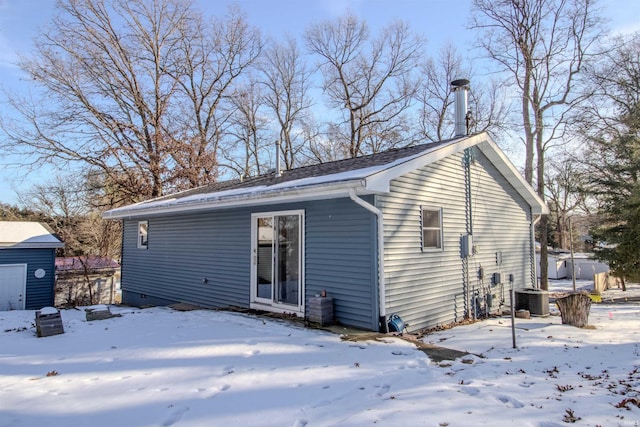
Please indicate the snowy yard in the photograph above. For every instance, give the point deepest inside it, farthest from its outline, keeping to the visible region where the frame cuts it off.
(160, 367)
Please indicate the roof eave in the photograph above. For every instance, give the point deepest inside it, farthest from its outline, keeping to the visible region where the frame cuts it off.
(380, 182)
(20, 245)
(509, 171)
(264, 197)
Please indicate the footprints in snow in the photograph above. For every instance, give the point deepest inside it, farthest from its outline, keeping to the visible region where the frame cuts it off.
(227, 370)
(175, 416)
(510, 402)
(220, 388)
(506, 400)
(383, 390)
(471, 391)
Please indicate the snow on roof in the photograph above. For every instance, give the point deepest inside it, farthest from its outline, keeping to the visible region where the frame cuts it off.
(26, 234)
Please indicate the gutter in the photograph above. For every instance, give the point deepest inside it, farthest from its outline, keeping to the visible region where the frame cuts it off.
(381, 283)
(244, 198)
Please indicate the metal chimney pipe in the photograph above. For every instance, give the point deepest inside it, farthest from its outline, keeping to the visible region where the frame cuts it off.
(278, 159)
(460, 87)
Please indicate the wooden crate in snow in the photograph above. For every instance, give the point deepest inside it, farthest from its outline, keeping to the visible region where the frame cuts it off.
(48, 323)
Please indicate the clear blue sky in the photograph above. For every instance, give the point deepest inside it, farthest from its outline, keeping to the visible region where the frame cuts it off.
(439, 21)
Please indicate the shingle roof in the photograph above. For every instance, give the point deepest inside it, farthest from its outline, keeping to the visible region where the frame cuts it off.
(311, 171)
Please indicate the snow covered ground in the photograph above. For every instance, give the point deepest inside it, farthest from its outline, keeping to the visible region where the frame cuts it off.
(160, 367)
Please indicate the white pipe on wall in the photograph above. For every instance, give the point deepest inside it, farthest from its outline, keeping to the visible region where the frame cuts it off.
(381, 283)
(533, 248)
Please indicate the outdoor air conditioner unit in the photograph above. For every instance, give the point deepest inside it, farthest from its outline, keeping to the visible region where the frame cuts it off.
(534, 300)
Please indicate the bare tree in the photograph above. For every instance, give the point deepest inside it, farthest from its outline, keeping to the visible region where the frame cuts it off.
(611, 140)
(247, 150)
(114, 76)
(565, 188)
(371, 81)
(61, 203)
(614, 79)
(542, 45)
(216, 54)
(286, 81)
(435, 97)
(15, 213)
(67, 205)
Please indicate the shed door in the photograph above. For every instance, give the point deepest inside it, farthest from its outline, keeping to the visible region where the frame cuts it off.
(277, 255)
(13, 285)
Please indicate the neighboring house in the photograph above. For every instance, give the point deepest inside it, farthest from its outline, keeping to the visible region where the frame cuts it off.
(560, 265)
(586, 266)
(431, 232)
(87, 280)
(27, 253)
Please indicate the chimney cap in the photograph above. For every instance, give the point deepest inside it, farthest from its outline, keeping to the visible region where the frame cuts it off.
(460, 82)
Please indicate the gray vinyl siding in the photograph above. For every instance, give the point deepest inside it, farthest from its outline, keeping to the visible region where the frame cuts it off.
(40, 292)
(341, 258)
(501, 222)
(183, 249)
(426, 286)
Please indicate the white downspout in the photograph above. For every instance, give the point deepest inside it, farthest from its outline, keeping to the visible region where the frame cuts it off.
(381, 284)
(533, 248)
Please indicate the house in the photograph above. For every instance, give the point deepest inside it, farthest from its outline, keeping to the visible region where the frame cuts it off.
(561, 265)
(27, 253)
(586, 266)
(433, 233)
(558, 264)
(87, 280)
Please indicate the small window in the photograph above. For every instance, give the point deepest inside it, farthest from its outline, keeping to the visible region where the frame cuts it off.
(143, 234)
(431, 228)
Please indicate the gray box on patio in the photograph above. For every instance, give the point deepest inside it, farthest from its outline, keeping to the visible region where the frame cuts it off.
(320, 310)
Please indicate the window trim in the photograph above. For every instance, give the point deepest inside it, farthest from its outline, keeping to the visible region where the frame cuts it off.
(143, 238)
(440, 230)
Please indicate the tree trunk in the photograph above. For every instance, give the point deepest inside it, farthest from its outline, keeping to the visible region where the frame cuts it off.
(574, 309)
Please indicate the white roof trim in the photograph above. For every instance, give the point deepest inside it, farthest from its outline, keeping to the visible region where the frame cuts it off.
(490, 149)
(374, 179)
(380, 182)
(252, 196)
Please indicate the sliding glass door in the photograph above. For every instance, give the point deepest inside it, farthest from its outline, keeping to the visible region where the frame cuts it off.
(276, 273)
